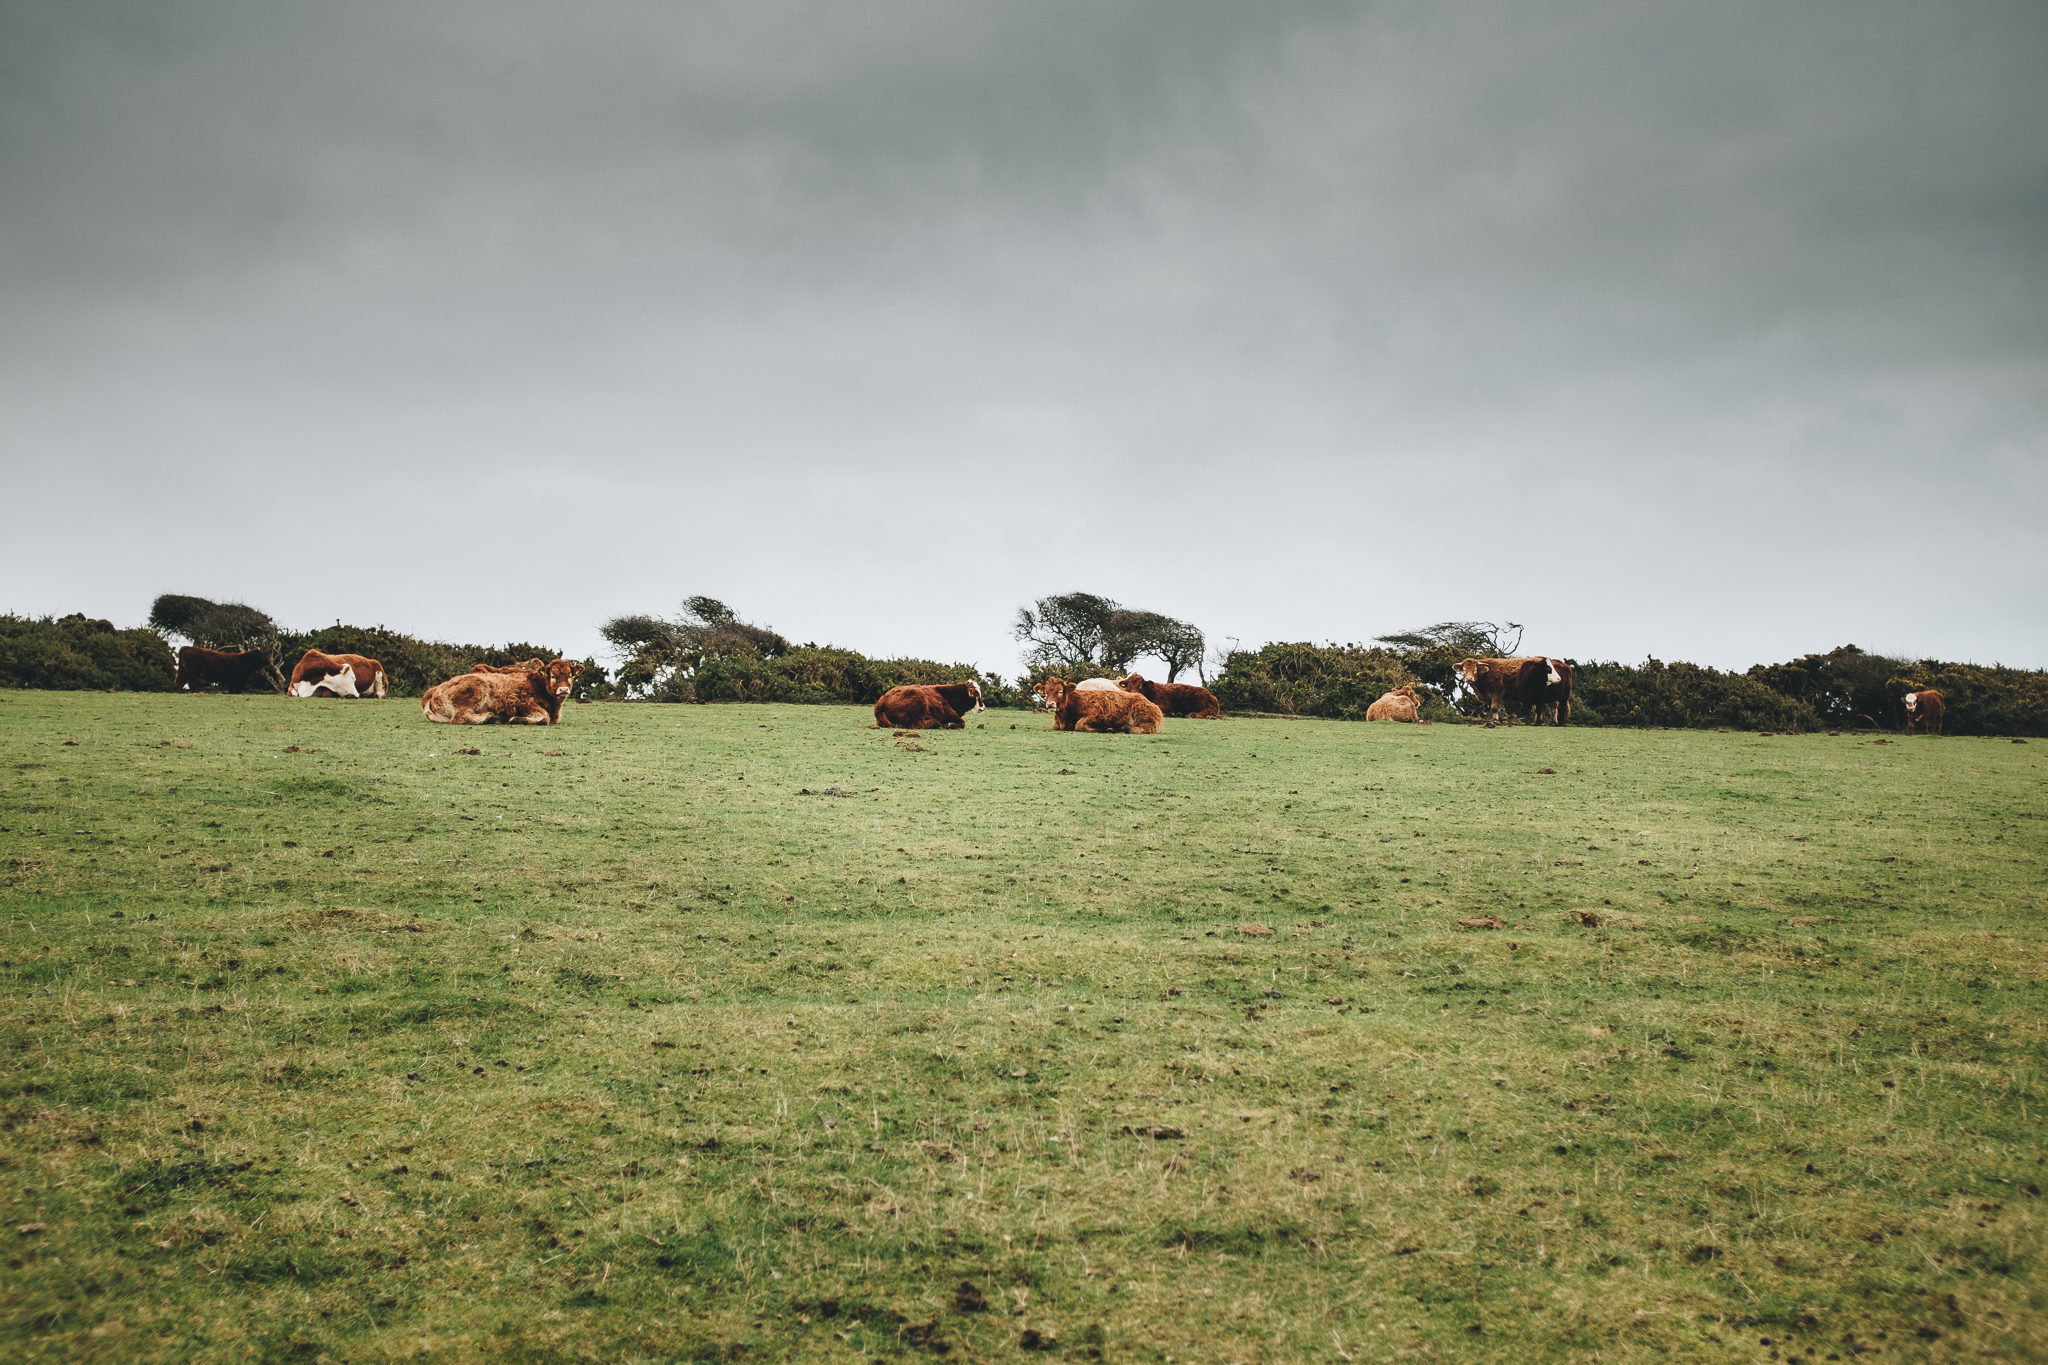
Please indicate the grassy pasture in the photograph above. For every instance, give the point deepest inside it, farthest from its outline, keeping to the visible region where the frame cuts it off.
(611, 1042)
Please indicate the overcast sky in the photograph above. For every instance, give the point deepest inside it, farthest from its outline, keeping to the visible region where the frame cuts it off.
(1713, 330)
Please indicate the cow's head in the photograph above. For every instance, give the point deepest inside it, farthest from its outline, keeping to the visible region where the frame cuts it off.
(560, 676)
(1555, 677)
(1912, 702)
(1054, 689)
(1468, 669)
(974, 691)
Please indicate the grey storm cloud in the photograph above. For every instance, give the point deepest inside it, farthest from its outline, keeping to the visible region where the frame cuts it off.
(1714, 331)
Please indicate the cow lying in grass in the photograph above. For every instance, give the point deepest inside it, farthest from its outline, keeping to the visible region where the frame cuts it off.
(921, 707)
(1114, 712)
(1055, 688)
(1176, 699)
(1400, 704)
(530, 698)
(337, 675)
(198, 666)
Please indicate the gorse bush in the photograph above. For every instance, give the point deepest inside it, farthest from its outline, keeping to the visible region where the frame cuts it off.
(76, 654)
(823, 674)
(1336, 682)
(1848, 688)
(708, 654)
(1682, 696)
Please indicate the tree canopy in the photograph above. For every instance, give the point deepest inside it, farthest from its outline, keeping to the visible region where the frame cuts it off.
(1082, 630)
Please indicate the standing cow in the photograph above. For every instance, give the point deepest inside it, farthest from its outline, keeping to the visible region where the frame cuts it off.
(1553, 696)
(198, 667)
(337, 675)
(1506, 682)
(1927, 708)
(922, 707)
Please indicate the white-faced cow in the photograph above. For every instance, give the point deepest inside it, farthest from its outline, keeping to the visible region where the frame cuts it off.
(337, 675)
(1925, 708)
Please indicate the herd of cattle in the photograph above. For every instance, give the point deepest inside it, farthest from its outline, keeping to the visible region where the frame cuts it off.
(532, 693)
(1535, 688)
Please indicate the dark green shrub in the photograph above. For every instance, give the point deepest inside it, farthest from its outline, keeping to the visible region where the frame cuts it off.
(75, 654)
(1845, 687)
(1682, 696)
(818, 674)
(1981, 699)
(1334, 681)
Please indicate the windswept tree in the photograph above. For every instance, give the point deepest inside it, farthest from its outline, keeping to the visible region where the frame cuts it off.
(1083, 632)
(1466, 639)
(1432, 652)
(659, 655)
(214, 625)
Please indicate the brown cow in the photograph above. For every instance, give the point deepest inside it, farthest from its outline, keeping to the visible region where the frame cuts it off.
(1054, 689)
(533, 698)
(1925, 707)
(919, 706)
(1518, 682)
(1176, 699)
(1114, 712)
(234, 672)
(337, 675)
(1400, 704)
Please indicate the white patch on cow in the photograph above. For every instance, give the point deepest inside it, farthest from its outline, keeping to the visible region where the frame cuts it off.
(341, 684)
(1912, 701)
(1555, 676)
(1097, 685)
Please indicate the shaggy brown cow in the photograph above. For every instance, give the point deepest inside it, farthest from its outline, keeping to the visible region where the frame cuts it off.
(1518, 682)
(1925, 707)
(1176, 699)
(533, 698)
(1399, 704)
(921, 707)
(1108, 713)
(234, 672)
(337, 675)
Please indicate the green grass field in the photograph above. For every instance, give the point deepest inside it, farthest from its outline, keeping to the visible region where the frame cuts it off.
(708, 1033)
